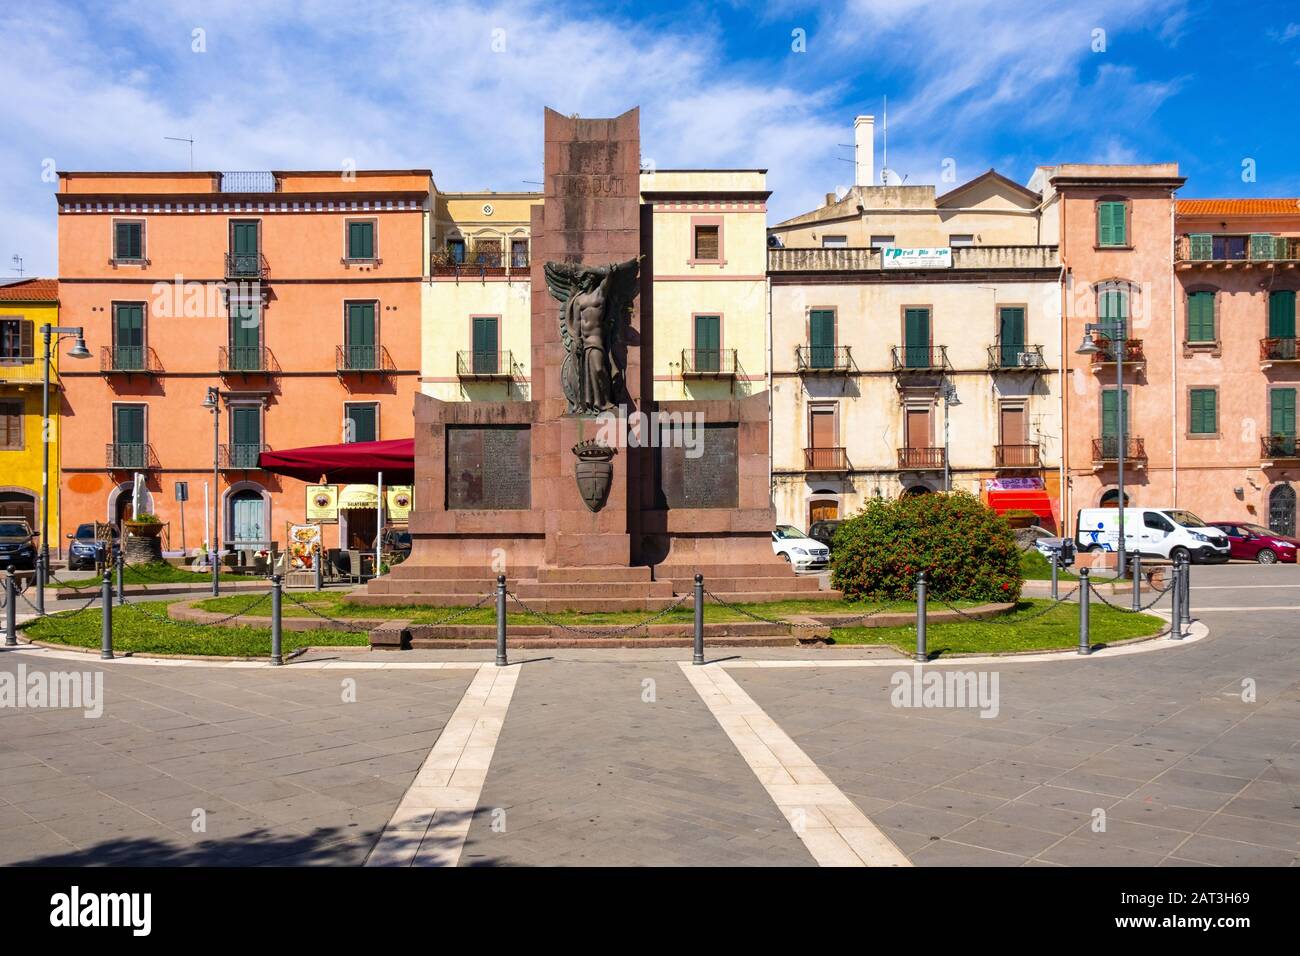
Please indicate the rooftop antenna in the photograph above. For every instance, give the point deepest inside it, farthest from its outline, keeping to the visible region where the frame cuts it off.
(17, 265)
(184, 139)
(884, 166)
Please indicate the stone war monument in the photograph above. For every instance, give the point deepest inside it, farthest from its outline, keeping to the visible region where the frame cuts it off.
(536, 489)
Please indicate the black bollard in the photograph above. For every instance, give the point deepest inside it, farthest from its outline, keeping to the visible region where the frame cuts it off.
(921, 655)
(698, 656)
(277, 655)
(501, 621)
(1137, 581)
(1055, 561)
(119, 560)
(11, 608)
(1085, 647)
(106, 599)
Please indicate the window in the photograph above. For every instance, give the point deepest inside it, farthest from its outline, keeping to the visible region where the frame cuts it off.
(128, 436)
(487, 252)
(519, 253)
(245, 335)
(1204, 415)
(821, 338)
(456, 250)
(361, 239)
(708, 341)
(245, 435)
(11, 424)
(1157, 522)
(1200, 317)
(246, 511)
(16, 345)
(916, 338)
(128, 241)
(1113, 309)
(486, 340)
(1112, 416)
(245, 259)
(1281, 414)
(128, 335)
(1281, 314)
(1112, 223)
(881, 242)
(834, 242)
(1011, 335)
(708, 243)
(360, 422)
(360, 348)
(961, 239)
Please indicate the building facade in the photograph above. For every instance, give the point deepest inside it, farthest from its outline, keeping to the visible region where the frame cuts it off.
(297, 295)
(26, 307)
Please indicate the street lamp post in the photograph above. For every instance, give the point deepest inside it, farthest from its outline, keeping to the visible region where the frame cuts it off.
(213, 403)
(51, 333)
(950, 400)
(1116, 333)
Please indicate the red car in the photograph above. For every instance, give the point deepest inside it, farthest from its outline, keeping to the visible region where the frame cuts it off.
(1252, 542)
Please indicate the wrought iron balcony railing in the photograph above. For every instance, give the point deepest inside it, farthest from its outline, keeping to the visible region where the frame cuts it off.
(133, 456)
(1282, 349)
(1133, 354)
(129, 359)
(239, 455)
(1016, 456)
(363, 358)
(1107, 448)
(825, 459)
(250, 181)
(1008, 357)
(920, 459)
(1253, 248)
(246, 265)
(823, 359)
(246, 359)
(919, 358)
(708, 363)
(476, 364)
(1278, 447)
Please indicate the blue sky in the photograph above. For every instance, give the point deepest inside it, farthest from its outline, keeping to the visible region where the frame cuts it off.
(400, 83)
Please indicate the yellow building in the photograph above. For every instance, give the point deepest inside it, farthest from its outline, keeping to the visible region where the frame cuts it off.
(26, 307)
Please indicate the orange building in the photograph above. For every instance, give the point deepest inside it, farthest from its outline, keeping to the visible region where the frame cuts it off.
(296, 294)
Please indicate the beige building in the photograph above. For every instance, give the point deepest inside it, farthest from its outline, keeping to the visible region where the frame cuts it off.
(915, 347)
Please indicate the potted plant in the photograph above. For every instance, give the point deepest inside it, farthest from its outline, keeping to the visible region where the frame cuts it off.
(144, 525)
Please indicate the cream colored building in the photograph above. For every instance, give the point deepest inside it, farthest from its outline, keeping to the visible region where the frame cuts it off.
(915, 347)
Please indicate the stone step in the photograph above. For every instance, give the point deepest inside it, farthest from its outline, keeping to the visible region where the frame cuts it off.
(593, 589)
(763, 597)
(547, 605)
(775, 569)
(440, 572)
(449, 586)
(435, 633)
(595, 575)
(718, 585)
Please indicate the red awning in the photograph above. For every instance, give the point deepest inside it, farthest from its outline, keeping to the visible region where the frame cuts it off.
(1027, 500)
(354, 462)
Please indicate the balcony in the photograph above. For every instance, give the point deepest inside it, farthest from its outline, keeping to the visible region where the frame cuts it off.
(1106, 450)
(919, 358)
(485, 366)
(24, 370)
(481, 263)
(1016, 358)
(708, 363)
(1277, 350)
(246, 267)
(920, 459)
(1278, 450)
(825, 459)
(130, 456)
(246, 360)
(823, 359)
(1133, 354)
(1016, 456)
(861, 259)
(239, 456)
(128, 360)
(1208, 250)
(360, 359)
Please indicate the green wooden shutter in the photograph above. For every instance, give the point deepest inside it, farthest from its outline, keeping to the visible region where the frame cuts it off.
(1110, 409)
(361, 240)
(821, 338)
(246, 436)
(916, 338)
(1263, 246)
(361, 351)
(1011, 335)
(1202, 246)
(1200, 317)
(708, 339)
(1112, 229)
(128, 336)
(1282, 411)
(1204, 411)
(128, 436)
(1281, 314)
(245, 336)
(128, 240)
(1113, 309)
(243, 238)
(362, 425)
(485, 338)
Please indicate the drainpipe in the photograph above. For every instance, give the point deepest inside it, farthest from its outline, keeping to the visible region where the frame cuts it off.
(1173, 350)
(1062, 484)
(771, 397)
(1067, 492)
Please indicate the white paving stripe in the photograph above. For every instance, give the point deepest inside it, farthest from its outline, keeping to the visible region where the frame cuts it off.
(430, 824)
(830, 825)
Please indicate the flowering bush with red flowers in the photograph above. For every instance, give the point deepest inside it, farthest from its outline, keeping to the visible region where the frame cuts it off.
(967, 551)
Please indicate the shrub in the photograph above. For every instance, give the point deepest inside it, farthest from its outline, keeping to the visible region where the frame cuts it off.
(967, 551)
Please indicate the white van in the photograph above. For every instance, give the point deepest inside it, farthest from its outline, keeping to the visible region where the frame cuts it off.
(1159, 532)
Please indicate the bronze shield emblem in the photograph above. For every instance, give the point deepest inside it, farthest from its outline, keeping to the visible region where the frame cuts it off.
(594, 471)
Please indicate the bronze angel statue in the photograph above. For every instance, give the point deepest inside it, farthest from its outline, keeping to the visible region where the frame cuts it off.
(594, 301)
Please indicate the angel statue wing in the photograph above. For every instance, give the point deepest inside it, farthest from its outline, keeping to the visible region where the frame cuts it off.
(564, 280)
(622, 289)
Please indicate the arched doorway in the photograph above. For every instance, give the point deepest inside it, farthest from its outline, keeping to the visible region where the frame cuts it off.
(822, 509)
(1110, 499)
(19, 504)
(119, 503)
(918, 490)
(246, 509)
(1281, 509)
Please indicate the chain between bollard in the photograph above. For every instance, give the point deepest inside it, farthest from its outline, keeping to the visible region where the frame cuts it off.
(604, 631)
(794, 624)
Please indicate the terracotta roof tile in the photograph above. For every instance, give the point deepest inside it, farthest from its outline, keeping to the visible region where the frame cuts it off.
(30, 290)
(1237, 207)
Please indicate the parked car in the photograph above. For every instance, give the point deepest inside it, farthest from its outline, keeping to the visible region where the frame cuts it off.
(1253, 542)
(17, 545)
(1160, 532)
(801, 551)
(1063, 548)
(824, 531)
(86, 551)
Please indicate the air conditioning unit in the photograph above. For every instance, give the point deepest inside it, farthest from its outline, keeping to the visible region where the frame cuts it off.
(1030, 360)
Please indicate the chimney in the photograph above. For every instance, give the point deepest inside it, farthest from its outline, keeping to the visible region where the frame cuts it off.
(864, 150)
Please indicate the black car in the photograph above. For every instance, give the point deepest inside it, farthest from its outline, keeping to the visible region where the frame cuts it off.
(17, 545)
(86, 551)
(824, 531)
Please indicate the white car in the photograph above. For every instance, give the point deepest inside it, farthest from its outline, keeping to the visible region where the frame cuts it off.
(803, 552)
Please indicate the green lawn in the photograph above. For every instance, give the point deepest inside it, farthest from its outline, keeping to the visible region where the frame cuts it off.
(134, 630)
(155, 574)
(1034, 566)
(1056, 629)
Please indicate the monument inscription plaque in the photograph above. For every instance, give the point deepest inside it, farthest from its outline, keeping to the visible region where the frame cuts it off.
(489, 468)
(711, 480)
